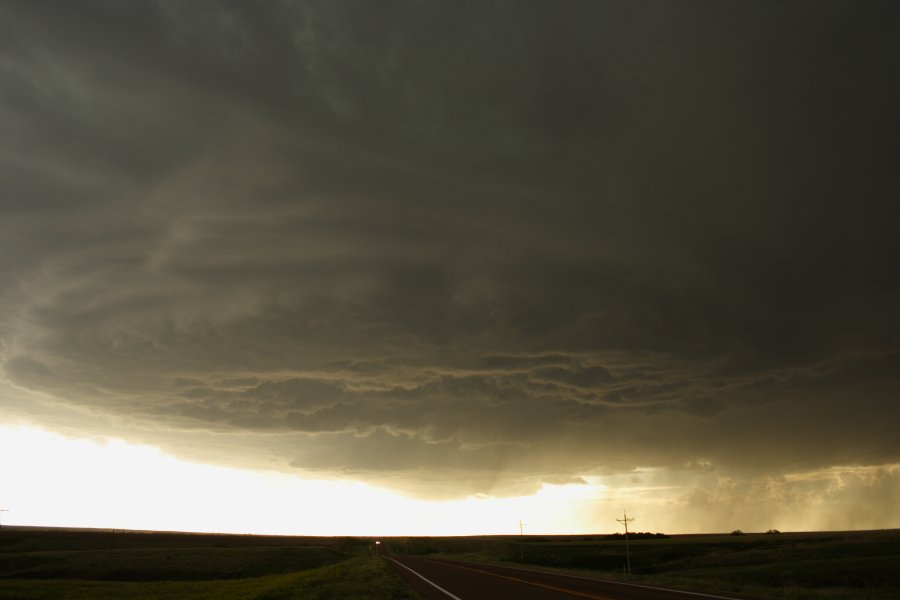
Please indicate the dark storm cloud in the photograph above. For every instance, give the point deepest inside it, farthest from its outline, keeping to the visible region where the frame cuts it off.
(503, 241)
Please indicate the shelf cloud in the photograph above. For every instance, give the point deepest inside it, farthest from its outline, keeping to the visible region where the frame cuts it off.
(458, 247)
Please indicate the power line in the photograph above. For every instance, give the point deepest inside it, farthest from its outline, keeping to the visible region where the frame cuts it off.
(625, 521)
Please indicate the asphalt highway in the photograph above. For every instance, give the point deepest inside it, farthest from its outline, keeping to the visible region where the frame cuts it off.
(452, 580)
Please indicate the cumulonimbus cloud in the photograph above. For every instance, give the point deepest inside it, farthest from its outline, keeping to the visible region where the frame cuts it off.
(507, 245)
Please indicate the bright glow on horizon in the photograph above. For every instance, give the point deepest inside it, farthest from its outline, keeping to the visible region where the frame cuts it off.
(49, 480)
(57, 481)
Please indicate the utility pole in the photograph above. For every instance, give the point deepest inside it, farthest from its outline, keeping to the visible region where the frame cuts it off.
(625, 521)
(521, 535)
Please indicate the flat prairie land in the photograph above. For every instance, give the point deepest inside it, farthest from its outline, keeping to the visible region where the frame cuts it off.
(92, 564)
(809, 566)
(95, 564)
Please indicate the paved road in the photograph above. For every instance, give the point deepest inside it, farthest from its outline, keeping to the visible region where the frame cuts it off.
(452, 580)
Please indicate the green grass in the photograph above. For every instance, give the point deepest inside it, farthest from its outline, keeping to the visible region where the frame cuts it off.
(360, 577)
(257, 588)
(166, 563)
(99, 565)
(807, 566)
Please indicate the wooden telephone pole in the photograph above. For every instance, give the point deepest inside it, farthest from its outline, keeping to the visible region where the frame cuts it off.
(521, 535)
(625, 521)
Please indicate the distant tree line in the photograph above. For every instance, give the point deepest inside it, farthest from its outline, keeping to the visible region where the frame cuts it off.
(638, 535)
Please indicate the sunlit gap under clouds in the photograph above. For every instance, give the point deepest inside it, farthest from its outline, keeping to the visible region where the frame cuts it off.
(52, 480)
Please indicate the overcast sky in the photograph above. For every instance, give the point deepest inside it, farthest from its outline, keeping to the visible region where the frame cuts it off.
(459, 247)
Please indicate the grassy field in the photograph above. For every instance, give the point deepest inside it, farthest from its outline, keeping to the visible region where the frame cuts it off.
(89, 565)
(105, 565)
(809, 566)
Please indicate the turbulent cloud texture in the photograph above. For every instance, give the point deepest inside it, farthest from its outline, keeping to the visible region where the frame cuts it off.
(458, 246)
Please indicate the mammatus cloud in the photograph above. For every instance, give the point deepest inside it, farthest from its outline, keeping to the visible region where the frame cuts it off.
(459, 248)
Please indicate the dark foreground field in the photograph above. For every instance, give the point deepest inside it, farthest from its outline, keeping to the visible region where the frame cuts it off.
(88, 565)
(851, 565)
(101, 564)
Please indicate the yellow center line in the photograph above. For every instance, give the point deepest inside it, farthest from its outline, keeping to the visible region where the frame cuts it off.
(534, 583)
